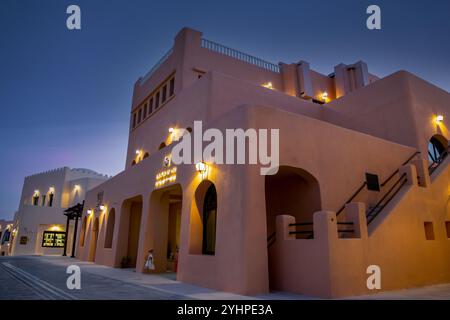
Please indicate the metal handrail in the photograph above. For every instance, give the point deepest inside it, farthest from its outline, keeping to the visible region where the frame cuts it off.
(156, 66)
(219, 48)
(396, 171)
(382, 184)
(381, 207)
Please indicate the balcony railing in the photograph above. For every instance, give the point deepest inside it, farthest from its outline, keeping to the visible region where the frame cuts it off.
(216, 47)
(156, 66)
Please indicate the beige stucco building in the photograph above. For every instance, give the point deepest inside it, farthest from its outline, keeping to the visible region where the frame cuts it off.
(39, 224)
(362, 180)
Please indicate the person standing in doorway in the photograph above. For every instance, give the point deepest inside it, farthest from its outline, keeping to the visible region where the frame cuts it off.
(149, 263)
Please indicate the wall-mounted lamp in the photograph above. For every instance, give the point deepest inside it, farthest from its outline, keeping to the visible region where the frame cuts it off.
(51, 190)
(89, 212)
(36, 192)
(171, 130)
(439, 118)
(102, 208)
(268, 85)
(201, 167)
(325, 96)
(138, 152)
(77, 187)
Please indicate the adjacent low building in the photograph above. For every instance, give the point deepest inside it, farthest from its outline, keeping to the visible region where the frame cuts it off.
(6, 235)
(362, 184)
(39, 224)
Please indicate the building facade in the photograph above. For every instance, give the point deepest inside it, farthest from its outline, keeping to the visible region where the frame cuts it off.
(361, 185)
(39, 224)
(6, 235)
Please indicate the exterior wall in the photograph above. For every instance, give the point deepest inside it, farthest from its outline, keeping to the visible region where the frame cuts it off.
(396, 242)
(5, 246)
(69, 187)
(373, 126)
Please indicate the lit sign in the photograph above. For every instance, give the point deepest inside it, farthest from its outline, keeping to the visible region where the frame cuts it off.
(165, 177)
(53, 239)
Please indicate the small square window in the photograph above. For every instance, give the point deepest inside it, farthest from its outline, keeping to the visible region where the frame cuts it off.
(139, 115)
(429, 231)
(150, 106)
(145, 110)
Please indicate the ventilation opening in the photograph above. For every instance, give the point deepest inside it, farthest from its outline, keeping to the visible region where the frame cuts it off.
(429, 232)
(447, 228)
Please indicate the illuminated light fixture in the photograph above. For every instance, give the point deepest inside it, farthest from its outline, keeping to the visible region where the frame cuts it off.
(55, 228)
(89, 212)
(102, 207)
(77, 187)
(268, 85)
(138, 152)
(201, 167)
(51, 190)
(325, 96)
(165, 177)
(440, 118)
(171, 130)
(36, 192)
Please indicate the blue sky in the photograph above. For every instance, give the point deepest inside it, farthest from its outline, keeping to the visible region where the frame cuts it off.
(65, 95)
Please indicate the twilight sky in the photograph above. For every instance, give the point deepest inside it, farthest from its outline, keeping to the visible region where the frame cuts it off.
(65, 95)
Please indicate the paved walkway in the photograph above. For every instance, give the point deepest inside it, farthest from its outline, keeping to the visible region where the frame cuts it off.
(164, 286)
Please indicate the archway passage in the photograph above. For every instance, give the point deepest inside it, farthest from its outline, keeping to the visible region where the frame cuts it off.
(437, 148)
(94, 238)
(164, 228)
(130, 224)
(295, 192)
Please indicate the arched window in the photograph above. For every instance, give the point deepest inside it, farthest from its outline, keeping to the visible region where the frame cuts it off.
(110, 228)
(162, 145)
(437, 148)
(209, 221)
(146, 155)
(83, 231)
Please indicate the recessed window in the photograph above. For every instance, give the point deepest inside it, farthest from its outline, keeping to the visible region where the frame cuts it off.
(139, 115)
(50, 199)
(209, 221)
(35, 200)
(145, 110)
(447, 228)
(157, 101)
(172, 87)
(150, 106)
(43, 200)
(162, 145)
(164, 93)
(429, 231)
(134, 120)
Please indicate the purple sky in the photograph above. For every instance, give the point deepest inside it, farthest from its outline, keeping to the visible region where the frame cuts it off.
(65, 95)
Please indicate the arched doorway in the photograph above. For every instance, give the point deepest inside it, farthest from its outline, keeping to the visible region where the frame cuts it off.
(164, 229)
(110, 228)
(129, 230)
(295, 192)
(437, 148)
(94, 238)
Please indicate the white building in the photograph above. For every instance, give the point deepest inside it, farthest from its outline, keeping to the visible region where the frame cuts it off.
(39, 225)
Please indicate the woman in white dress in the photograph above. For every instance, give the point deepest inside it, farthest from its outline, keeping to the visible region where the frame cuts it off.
(149, 263)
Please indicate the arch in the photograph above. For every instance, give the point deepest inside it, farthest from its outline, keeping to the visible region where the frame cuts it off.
(437, 148)
(295, 192)
(94, 238)
(189, 129)
(203, 219)
(146, 155)
(128, 232)
(133, 162)
(110, 228)
(83, 231)
(162, 145)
